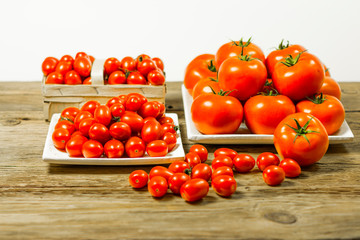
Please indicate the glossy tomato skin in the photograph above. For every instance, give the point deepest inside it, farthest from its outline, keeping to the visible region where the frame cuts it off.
(291, 168)
(60, 137)
(243, 78)
(136, 78)
(83, 66)
(74, 146)
(138, 179)
(66, 124)
(224, 185)
(331, 87)
(149, 109)
(85, 125)
(204, 86)
(220, 161)
(81, 116)
(156, 77)
(128, 63)
(111, 65)
(200, 150)
(202, 171)
(215, 114)
(225, 151)
(243, 163)
(146, 66)
(133, 103)
(194, 190)
(151, 131)
(178, 166)
(49, 65)
(157, 186)
(273, 175)
(134, 120)
(67, 58)
(263, 113)
(117, 77)
(54, 78)
(303, 79)
(63, 67)
(160, 171)
(192, 159)
(100, 133)
(299, 149)
(176, 181)
(70, 112)
(224, 170)
(114, 149)
(92, 149)
(90, 106)
(159, 63)
(330, 112)
(157, 148)
(87, 81)
(72, 78)
(102, 114)
(117, 110)
(135, 147)
(120, 131)
(266, 159)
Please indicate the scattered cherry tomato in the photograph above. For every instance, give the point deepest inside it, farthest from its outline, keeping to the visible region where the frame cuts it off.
(194, 190)
(291, 168)
(200, 150)
(160, 171)
(138, 179)
(224, 185)
(221, 160)
(178, 166)
(157, 186)
(266, 159)
(176, 181)
(224, 170)
(243, 163)
(273, 175)
(192, 159)
(225, 151)
(201, 170)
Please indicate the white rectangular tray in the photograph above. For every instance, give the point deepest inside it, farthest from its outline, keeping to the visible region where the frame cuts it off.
(53, 155)
(243, 135)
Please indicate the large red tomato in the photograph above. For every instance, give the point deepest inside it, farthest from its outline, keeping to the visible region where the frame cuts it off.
(301, 137)
(216, 113)
(205, 86)
(328, 109)
(280, 53)
(238, 48)
(244, 76)
(331, 87)
(298, 76)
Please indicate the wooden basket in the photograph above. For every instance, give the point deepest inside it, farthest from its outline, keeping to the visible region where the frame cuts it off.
(56, 97)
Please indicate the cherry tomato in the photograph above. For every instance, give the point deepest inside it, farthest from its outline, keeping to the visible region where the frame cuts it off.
(156, 77)
(81, 116)
(136, 78)
(114, 149)
(159, 63)
(194, 190)
(178, 166)
(176, 181)
(160, 171)
(90, 106)
(162, 109)
(74, 146)
(150, 119)
(60, 137)
(54, 78)
(224, 185)
(135, 147)
(117, 110)
(163, 120)
(66, 124)
(67, 58)
(301, 137)
(77, 133)
(92, 149)
(192, 159)
(225, 151)
(330, 87)
(200, 150)
(266, 159)
(170, 140)
(81, 54)
(134, 120)
(157, 148)
(71, 112)
(149, 109)
(120, 131)
(111, 65)
(72, 78)
(92, 59)
(117, 77)
(128, 63)
(221, 160)
(146, 66)
(291, 168)
(157, 186)
(63, 67)
(133, 103)
(201, 170)
(83, 66)
(169, 127)
(138, 179)
(205, 86)
(100, 133)
(141, 58)
(85, 125)
(102, 114)
(49, 65)
(273, 175)
(224, 170)
(243, 163)
(113, 101)
(151, 131)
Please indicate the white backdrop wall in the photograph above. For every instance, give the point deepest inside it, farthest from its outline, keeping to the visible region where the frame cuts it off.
(175, 31)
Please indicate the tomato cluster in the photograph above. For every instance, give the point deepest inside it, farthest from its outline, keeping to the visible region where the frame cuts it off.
(68, 70)
(141, 70)
(128, 125)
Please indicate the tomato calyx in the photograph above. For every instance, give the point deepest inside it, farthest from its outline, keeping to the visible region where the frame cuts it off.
(188, 171)
(270, 92)
(221, 92)
(317, 98)
(116, 119)
(282, 45)
(211, 66)
(242, 45)
(62, 118)
(246, 58)
(302, 131)
(290, 61)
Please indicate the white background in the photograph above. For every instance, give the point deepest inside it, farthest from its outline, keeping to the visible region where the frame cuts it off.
(175, 31)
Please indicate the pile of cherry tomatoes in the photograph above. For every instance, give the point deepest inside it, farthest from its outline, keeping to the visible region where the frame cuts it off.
(68, 70)
(190, 178)
(141, 70)
(128, 125)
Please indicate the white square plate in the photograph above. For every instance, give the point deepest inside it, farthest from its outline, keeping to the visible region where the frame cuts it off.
(53, 155)
(243, 135)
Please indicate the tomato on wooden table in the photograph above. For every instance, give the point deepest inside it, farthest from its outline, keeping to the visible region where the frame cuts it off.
(266, 159)
(194, 190)
(273, 175)
(224, 170)
(176, 181)
(157, 186)
(202, 171)
(224, 185)
(291, 168)
(221, 160)
(160, 171)
(192, 159)
(179, 166)
(243, 163)
(225, 151)
(200, 150)
(138, 179)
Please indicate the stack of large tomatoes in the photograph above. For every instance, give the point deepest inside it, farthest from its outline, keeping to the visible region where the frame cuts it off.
(128, 125)
(141, 70)
(68, 70)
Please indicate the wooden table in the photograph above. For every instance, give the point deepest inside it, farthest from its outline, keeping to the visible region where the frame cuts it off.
(42, 201)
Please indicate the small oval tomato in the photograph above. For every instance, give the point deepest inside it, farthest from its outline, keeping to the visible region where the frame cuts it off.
(90, 106)
(112, 101)
(135, 147)
(81, 116)
(200, 150)
(164, 120)
(149, 109)
(60, 137)
(49, 65)
(157, 186)
(224, 185)
(72, 78)
(243, 163)
(111, 65)
(99, 132)
(291, 168)
(194, 190)
(74, 146)
(176, 181)
(142, 98)
(205, 86)
(157, 148)
(221, 160)
(63, 67)
(224, 170)
(120, 131)
(170, 140)
(178, 166)
(136, 78)
(66, 124)
(70, 112)
(330, 87)
(133, 103)
(160, 171)
(117, 110)
(114, 149)
(81, 54)
(85, 126)
(146, 66)
(102, 114)
(266, 159)
(202, 171)
(117, 77)
(225, 151)
(138, 179)
(151, 131)
(128, 63)
(83, 66)
(159, 63)
(141, 58)
(156, 77)
(169, 128)
(192, 159)
(92, 149)
(162, 109)
(54, 78)
(67, 58)
(134, 120)
(273, 175)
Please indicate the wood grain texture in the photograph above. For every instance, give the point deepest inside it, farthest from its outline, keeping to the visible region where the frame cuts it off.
(42, 201)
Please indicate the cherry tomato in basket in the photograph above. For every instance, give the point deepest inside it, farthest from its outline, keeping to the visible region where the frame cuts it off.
(135, 147)
(92, 149)
(142, 98)
(156, 77)
(85, 125)
(138, 179)
(151, 131)
(120, 131)
(102, 114)
(194, 190)
(146, 66)
(160, 171)
(111, 65)
(157, 186)
(49, 65)
(192, 159)
(266, 159)
(100, 133)
(176, 181)
(74, 146)
(170, 139)
(72, 78)
(54, 78)
(66, 124)
(81, 54)
(114, 149)
(159, 63)
(90, 106)
(205, 86)
(134, 120)
(225, 151)
(291, 168)
(117, 77)
(224, 170)
(149, 109)
(92, 59)
(136, 78)
(273, 175)
(70, 112)
(243, 163)
(141, 58)
(178, 166)
(200, 150)
(67, 58)
(128, 63)
(331, 87)
(117, 110)
(60, 137)
(224, 185)
(63, 67)
(201, 170)
(220, 161)
(157, 148)
(83, 66)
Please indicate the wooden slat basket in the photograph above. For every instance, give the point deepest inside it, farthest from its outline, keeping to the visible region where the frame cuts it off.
(56, 97)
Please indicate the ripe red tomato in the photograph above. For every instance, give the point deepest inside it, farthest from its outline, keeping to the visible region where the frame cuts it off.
(220, 161)
(291, 168)
(72, 78)
(145, 66)
(128, 63)
(159, 63)
(225, 151)
(192, 159)
(67, 58)
(136, 78)
(71, 112)
(151, 131)
(134, 120)
(140, 58)
(266, 159)
(160, 171)
(205, 86)
(178, 166)
(135, 147)
(83, 66)
(164, 120)
(81, 54)
(85, 125)
(157, 148)
(243, 163)
(200, 150)
(117, 77)
(243, 76)
(74, 146)
(301, 137)
(157, 186)
(102, 114)
(330, 87)
(117, 110)
(90, 106)
(202, 171)
(194, 190)
(169, 127)
(273, 175)
(81, 116)
(113, 101)
(224, 185)
(133, 103)
(87, 81)
(114, 149)
(156, 77)
(263, 113)
(280, 53)
(60, 137)
(54, 78)
(100, 133)
(216, 114)
(224, 170)
(170, 139)
(162, 109)
(63, 67)
(328, 109)
(66, 124)
(49, 65)
(120, 131)
(176, 181)
(298, 76)
(111, 65)
(142, 98)
(149, 109)
(138, 179)
(92, 149)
